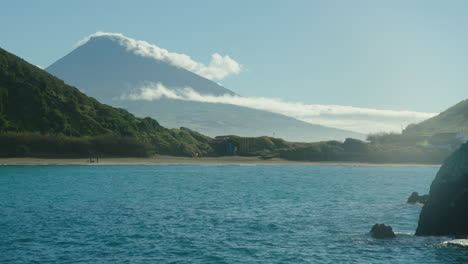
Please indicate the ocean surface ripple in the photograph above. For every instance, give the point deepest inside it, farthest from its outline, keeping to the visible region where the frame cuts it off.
(214, 214)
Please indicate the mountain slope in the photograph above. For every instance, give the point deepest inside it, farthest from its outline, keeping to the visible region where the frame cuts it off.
(452, 120)
(106, 70)
(32, 100)
(224, 119)
(102, 62)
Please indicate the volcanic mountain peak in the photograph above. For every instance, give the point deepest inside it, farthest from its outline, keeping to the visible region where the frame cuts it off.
(108, 66)
(218, 68)
(111, 63)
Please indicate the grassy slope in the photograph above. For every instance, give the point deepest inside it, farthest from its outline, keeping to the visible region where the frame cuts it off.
(454, 119)
(33, 101)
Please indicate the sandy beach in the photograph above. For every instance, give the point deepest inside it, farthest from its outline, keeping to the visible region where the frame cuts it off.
(168, 160)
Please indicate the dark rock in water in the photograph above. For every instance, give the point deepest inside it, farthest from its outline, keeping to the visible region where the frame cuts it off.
(416, 198)
(382, 231)
(446, 211)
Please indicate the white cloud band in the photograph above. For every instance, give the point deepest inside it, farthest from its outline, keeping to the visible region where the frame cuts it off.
(218, 68)
(364, 120)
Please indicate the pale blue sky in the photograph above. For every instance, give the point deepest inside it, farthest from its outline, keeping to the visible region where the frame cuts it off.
(401, 55)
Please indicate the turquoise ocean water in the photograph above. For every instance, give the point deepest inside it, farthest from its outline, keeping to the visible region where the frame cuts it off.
(213, 214)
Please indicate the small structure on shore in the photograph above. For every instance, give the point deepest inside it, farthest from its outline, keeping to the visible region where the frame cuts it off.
(225, 145)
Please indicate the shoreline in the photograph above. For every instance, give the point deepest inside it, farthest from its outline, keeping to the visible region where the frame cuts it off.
(172, 160)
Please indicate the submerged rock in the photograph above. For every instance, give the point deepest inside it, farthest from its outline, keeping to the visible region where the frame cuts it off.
(446, 211)
(382, 231)
(416, 198)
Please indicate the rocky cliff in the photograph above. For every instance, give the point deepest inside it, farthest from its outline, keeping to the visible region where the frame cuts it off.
(446, 211)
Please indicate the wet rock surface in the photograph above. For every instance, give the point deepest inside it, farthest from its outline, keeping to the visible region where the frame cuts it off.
(446, 211)
(416, 198)
(382, 231)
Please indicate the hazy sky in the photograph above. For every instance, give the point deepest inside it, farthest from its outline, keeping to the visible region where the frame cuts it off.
(400, 55)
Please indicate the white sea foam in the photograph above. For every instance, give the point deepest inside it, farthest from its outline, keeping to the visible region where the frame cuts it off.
(463, 243)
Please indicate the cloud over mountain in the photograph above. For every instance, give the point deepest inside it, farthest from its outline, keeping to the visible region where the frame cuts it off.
(218, 68)
(364, 120)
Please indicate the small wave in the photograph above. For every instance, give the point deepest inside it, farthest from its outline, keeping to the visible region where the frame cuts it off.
(404, 233)
(461, 243)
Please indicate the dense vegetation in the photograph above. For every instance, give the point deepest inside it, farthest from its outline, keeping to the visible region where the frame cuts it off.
(351, 150)
(41, 115)
(430, 142)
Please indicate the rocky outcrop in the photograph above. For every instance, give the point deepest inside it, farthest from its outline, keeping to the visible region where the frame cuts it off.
(416, 198)
(446, 211)
(382, 231)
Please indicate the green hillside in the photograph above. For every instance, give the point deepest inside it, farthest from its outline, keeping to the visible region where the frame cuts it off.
(351, 150)
(452, 120)
(40, 114)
